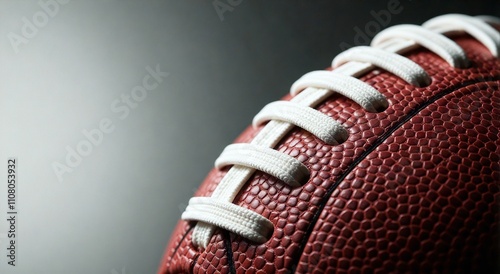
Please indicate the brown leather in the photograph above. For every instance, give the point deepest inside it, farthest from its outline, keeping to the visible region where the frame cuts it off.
(415, 188)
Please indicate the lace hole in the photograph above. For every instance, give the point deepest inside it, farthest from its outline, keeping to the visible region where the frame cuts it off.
(341, 139)
(468, 64)
(302, 181)
(341, 136)
(427, 83)
(270, 234)
(381, 108)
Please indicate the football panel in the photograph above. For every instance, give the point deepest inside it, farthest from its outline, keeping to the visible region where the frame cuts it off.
(426, 200)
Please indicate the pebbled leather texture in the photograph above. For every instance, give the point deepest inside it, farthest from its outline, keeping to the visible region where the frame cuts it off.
(415, 188)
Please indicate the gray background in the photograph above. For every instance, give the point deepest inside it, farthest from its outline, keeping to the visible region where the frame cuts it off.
(115, 211)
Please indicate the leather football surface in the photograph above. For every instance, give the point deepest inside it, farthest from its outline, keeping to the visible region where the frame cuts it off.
(415, 188)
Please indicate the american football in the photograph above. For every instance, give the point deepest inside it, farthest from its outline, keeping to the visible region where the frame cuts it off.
(387, 161)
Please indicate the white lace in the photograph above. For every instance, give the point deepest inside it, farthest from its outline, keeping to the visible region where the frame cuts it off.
(310, 90)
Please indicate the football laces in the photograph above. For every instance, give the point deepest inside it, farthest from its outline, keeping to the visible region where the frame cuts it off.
(386, 52)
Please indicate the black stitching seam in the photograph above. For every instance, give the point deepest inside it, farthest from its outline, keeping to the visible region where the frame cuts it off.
(229, 251)
(179, 244)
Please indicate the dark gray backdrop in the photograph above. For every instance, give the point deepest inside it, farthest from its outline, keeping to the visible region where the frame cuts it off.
(112, 210)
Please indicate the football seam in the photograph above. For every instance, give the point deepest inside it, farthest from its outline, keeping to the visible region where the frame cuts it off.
(179, 244)
(229, 251)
